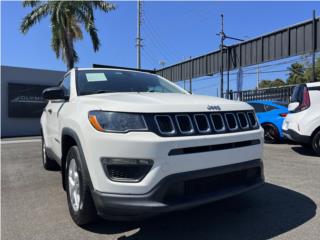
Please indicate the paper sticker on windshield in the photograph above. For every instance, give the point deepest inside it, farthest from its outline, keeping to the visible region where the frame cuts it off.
(96, 77)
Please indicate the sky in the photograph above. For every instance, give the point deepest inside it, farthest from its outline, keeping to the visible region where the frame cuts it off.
(171, 32)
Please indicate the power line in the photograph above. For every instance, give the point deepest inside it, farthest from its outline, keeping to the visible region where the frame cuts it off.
(299, 60)
(160, 45)
(150, 57)
(152, 28)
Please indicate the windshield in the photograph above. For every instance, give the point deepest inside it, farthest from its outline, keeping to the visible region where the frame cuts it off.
(105, 81)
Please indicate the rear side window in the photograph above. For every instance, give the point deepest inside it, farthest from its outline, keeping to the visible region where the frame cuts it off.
(258, 107)
(297, 95)
(268, 108)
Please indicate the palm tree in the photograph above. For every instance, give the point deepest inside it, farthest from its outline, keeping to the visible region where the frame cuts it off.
(66, 20)
(296, 74)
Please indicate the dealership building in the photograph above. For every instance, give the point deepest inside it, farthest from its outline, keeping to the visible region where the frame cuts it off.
(21, 100)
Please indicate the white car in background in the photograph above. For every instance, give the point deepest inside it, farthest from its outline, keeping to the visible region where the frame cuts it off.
(132, 144)
(302, 124)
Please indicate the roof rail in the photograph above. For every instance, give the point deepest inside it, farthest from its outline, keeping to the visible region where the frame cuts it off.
(125, 68)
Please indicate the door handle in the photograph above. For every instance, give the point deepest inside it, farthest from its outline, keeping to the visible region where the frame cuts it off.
(50, 111)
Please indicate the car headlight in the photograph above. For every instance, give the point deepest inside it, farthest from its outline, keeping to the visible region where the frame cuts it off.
(117, 121)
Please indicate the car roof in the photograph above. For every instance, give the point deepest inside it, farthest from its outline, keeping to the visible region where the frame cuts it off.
(313, 84)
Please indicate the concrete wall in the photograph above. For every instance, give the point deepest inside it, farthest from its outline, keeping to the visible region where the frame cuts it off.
(23, 126)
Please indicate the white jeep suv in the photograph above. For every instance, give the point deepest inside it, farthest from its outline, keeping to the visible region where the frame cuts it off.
(131, 144)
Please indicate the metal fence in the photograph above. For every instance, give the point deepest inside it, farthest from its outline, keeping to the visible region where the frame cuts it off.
(302, 38)
(273, 94)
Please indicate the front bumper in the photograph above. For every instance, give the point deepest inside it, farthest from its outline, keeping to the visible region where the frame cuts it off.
(170, 155)
(296, 137)
(182, 190)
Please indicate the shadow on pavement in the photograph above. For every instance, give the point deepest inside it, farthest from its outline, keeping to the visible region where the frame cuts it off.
(260, 214)
(304, 151)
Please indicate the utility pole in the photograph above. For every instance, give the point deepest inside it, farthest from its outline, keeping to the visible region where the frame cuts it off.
(228, 74)
(258, 76)
(138, 44)
(190, 81)
(222, 37)
(313, 79)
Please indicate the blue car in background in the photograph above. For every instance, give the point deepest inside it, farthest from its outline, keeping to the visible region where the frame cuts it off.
(271, 115)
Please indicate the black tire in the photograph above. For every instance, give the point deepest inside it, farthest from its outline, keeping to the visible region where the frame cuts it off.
(316, 143)
(86, 212)
(271, 133)
(47, 162)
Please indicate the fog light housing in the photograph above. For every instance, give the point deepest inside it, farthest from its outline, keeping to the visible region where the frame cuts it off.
(126, 169)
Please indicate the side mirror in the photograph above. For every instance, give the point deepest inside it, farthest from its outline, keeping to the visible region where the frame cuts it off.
(54, 93)
(293, 106)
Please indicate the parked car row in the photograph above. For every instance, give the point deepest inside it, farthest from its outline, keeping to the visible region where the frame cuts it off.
(298, 121)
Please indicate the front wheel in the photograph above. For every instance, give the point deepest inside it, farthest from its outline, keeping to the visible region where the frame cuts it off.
(80, 203)
(316, 143)
(271, 134)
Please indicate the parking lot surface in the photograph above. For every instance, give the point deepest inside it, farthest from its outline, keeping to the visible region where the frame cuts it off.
(34, 204)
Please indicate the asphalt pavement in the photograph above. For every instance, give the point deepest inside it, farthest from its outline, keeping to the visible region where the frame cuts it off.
(33, 203)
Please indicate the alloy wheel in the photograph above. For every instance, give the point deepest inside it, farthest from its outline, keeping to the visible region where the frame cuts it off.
(74, 185)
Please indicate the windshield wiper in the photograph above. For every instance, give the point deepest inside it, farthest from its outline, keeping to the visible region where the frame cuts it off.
(95, 92)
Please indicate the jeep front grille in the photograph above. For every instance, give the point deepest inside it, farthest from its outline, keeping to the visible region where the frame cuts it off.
(231, 121)
(252, 118)
(186, 124)
(202, 123)
(243, 120)
(217, 122)
(165, 124)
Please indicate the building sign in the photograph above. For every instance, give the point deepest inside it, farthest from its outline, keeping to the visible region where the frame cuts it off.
(25, 100)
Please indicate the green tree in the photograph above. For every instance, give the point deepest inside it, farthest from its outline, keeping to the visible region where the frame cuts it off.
(264, 84)
(308, 72)
(277, 83)
(271, 83)
(66, 20)
(296, 74)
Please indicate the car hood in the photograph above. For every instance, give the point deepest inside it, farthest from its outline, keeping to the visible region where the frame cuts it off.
(159, 102)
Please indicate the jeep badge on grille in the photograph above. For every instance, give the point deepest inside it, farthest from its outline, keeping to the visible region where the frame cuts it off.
(213, 107)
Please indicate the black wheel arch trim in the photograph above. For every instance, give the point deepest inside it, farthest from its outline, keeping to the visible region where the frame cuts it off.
(71, 133)
(315, 132)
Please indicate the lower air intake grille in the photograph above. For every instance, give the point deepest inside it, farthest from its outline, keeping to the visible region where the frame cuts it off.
(217, 184)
